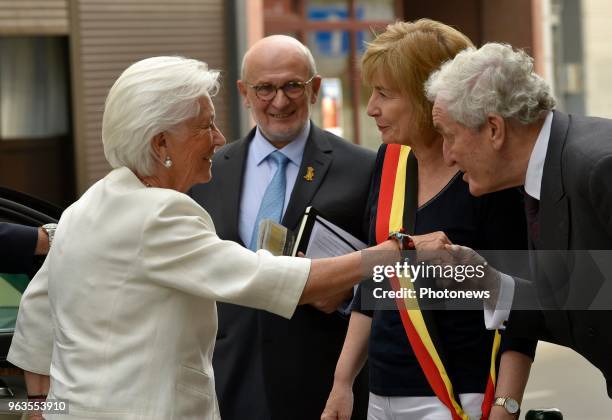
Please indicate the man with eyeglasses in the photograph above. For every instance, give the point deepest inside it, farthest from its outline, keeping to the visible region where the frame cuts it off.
(267, 367)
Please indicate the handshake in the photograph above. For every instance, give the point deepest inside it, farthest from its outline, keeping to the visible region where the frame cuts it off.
(437, 251)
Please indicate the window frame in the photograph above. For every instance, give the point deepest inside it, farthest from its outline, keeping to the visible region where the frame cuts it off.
(284, 16)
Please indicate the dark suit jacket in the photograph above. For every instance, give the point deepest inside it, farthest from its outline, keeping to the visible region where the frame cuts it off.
(575, 216)
(297, 357)
(17, 246)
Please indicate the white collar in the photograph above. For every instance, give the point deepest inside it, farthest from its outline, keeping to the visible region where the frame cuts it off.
(535, 167)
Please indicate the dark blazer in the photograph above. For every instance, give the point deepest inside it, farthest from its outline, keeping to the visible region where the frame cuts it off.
(575, 216)
(261, 357)
(17, 246)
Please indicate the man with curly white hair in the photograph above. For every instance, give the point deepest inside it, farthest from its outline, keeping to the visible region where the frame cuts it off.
(497, 119)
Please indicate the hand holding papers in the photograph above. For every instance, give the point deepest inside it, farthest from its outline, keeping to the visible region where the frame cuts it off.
(316, 238)
(319, 238)
(275, 238)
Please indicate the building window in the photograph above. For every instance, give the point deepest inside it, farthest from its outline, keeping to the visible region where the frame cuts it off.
(336, 33)
(33, 87)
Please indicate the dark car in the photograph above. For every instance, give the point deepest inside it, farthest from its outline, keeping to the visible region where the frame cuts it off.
(16, 207)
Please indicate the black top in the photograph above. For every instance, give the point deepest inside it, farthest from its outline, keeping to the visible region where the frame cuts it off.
(494, 221)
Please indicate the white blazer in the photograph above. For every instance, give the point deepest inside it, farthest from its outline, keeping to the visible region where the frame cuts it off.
(122, 314)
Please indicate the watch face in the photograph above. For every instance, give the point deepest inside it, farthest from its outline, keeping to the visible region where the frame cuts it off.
(511, 405)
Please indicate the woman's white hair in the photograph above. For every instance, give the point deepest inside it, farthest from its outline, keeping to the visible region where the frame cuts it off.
(492, 79)
(151, 96)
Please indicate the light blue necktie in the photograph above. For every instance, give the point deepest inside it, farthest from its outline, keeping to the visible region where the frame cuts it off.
(274, 198)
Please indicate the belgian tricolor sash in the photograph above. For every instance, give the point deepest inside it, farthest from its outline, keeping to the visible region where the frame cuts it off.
(422, 337)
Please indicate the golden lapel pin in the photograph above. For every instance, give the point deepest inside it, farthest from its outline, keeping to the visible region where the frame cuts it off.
(309, 174)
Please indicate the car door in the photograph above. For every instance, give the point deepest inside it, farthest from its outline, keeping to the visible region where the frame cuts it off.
(16, 207)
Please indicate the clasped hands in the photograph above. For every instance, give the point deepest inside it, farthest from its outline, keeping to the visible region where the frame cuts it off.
(435, 248)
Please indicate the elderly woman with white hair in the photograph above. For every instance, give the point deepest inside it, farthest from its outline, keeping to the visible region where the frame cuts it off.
(121, 319)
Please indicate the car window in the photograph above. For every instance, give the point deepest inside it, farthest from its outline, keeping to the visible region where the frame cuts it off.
(11, 289)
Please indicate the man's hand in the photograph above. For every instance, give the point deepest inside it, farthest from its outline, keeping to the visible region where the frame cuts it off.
(330, 305)
(431, 246)
(434, 241)
(462, 255)
(339, 404)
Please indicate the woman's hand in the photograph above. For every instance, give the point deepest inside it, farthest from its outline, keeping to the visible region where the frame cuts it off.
(500, 413)
(339, 404)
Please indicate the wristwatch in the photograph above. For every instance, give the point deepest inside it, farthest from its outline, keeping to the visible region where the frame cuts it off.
(510, 404)
(403, 239)
(50, 229)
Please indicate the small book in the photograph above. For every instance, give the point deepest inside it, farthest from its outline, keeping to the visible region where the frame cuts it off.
(316, 237)
(275, 238)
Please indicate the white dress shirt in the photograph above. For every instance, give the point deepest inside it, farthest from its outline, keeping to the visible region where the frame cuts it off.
(495, 319)
(258, 173)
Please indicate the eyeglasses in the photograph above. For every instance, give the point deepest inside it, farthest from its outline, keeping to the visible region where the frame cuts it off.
(292, 90)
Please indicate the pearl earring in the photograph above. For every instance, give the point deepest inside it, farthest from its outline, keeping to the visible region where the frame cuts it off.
(167, 162)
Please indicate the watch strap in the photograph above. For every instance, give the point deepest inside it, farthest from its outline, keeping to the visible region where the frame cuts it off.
(50, 229)
(503, 402)
(405, 240)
